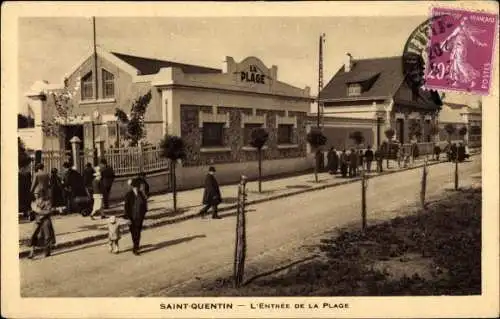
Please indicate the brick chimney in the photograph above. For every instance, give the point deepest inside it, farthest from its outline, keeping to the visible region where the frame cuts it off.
(348, 62)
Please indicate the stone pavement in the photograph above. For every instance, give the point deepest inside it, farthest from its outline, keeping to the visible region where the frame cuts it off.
(73, 230)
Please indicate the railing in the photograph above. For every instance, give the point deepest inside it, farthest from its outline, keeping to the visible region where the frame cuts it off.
(125, 161)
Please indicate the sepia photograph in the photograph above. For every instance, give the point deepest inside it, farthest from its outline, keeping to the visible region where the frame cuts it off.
(218, 156)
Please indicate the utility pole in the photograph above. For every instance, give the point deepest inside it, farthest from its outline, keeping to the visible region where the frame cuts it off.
(320, 77)
(95, 61)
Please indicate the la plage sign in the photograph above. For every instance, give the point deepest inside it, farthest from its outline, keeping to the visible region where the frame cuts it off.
(252, 75)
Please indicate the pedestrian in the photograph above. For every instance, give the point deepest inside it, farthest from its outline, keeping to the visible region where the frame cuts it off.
(136, 206)
(343, 163)
(43, 234)
(88, 177)
(97, 194)
(361, 156)
(24, 191)
(108, 176)
(75, 187)
(437, 152)
(333, 161)
(211, 194)
(56, 189)
(353, 163)
(143, 184)
(379, 158)
(369, 158)
(114, 233)
(41, 182)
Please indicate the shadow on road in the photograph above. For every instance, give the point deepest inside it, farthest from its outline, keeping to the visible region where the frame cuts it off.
(298, 186)
(149, 248)
(167, 213)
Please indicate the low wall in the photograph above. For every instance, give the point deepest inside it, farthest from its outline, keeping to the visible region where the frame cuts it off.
(194, 177)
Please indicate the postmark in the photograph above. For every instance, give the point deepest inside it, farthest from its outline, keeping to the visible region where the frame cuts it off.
(460, 51)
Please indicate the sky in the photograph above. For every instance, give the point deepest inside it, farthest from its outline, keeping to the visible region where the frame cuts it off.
(51, 47)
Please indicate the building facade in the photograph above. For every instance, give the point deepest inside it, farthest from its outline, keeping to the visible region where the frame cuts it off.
(370, 96)
(461, 111)
(213, 110)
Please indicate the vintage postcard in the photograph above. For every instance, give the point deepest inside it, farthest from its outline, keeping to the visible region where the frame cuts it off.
(250, 160)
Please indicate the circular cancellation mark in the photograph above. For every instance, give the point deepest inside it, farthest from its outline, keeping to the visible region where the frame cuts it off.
(416, 51)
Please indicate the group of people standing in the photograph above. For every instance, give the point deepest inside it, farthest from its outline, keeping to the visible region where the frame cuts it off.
(349, 162)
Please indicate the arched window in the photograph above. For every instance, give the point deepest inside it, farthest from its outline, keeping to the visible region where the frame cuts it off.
(87, 87)
(108, 84)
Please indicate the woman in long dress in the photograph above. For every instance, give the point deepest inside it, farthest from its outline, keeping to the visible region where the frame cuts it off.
(462, 71)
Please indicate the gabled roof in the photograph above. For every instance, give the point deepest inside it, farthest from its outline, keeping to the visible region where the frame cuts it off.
(152, 66)
(388, 77)
(388, 82)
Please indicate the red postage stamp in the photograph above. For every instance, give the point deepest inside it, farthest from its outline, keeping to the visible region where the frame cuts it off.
(460, 51)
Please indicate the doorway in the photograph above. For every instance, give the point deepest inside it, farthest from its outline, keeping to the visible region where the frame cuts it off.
(68, 132)
(401, 130)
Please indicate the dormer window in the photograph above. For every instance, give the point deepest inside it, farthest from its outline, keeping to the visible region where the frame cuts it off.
(108, 84)
(354, 89)
(87, 87)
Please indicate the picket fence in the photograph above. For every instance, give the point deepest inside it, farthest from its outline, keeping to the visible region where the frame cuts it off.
(125, 161)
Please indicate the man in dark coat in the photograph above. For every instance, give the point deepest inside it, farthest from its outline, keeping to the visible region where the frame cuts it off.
(333, 161)
(353, 163)
(344, 162)
(136, 206)
(369, 158)
(73, 182)
(108, 176)
(379, 156)
(24, 195)
(211, 194)
(453, 151)
(88, 177)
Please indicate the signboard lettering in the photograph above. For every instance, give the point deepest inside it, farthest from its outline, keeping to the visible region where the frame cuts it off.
(252, 75)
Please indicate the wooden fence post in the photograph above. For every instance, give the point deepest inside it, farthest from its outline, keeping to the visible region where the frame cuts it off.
(423, 185)
(363, 199)
(240, 244)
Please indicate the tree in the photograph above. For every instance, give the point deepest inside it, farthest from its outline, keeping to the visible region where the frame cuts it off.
(22, 156)
(259, 138)
(63, 105)
(389, 133)
(316, 139)
(357, 137)
(434, 130)
(135, 124)
(450, 130)
(173, 148)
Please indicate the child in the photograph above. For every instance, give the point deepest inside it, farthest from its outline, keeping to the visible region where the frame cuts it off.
(114, 234)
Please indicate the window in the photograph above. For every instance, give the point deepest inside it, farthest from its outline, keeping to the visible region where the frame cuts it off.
(354, 90)
(247, 137)
(285, 133)
(213, 134)
(87, 87)
(108, 84)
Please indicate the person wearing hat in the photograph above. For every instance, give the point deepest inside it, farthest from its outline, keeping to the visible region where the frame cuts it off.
(97, 191)
(211, 194)
(136, 206)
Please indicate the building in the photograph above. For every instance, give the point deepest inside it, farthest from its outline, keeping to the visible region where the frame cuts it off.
(213, 110)
(461, 110)
(370, 96)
